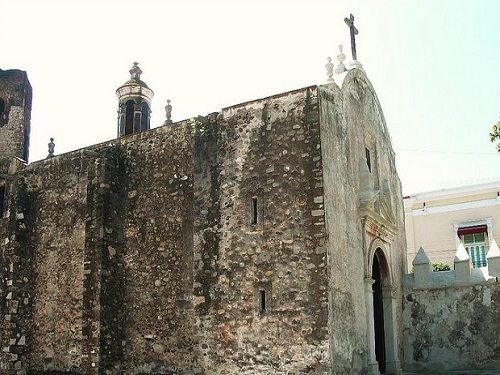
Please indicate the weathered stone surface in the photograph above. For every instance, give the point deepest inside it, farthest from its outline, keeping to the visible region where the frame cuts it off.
(352, 121)
(451, 328)
(225, 244)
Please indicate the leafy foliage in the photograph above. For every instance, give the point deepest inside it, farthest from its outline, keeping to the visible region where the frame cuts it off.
(495, 134)
(440, 266)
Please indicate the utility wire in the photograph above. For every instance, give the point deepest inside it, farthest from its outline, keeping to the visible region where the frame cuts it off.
(449, 152)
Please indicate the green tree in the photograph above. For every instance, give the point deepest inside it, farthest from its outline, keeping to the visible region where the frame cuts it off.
(495, 134)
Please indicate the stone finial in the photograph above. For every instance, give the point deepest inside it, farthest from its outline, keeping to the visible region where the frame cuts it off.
(135, 71)
(329, 69)
(340, 61)
(51, 145)
(461, 254)
(421, 257)
(462, 264)
(422, 269)
(494, 251)
(168, 113)
(493, 259)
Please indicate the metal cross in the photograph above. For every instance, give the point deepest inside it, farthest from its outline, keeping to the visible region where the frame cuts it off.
(350, 22)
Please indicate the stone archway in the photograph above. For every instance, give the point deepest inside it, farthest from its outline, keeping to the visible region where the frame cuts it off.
(383, 355)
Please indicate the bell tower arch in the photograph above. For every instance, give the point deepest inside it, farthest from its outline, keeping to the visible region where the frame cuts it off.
(134, 104)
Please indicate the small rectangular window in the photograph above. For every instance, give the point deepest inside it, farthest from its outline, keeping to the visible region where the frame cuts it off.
(255, 212)
(368, 159)
(263, 301)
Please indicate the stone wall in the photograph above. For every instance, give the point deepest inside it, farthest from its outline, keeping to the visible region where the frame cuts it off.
(451, 328)
(142, 257)
(58, 242)
(96, 255)
(16, 274)
(344, 246)
(451, 318)
(367, 129)
(351, 121)
(268, 150)
(145, 254)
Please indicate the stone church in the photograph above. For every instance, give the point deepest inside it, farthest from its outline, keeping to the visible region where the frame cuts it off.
(267, 238)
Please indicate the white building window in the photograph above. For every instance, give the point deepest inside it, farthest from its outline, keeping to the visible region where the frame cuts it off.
(476, 246)
(475, 235)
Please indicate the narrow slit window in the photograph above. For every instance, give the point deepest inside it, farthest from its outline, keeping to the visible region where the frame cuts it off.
(368, 159)
(2, 200)
(255, 213)
(3, 116)
(263, 301)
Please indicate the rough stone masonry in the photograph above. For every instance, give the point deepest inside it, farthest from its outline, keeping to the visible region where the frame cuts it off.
(245, 241)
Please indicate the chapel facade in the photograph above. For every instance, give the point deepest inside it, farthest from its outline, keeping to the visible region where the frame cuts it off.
(267, 238)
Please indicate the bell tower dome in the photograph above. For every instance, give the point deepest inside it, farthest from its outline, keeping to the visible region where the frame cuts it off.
(134, 104)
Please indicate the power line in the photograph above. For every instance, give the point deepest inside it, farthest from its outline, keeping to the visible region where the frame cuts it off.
(449, 152)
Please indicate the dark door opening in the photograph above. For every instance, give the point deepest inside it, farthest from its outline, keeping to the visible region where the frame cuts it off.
(378, 315)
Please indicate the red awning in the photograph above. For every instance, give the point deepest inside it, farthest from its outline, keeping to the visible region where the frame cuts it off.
(472, 230)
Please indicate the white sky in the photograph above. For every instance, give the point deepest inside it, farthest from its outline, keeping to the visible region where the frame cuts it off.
(435, 66)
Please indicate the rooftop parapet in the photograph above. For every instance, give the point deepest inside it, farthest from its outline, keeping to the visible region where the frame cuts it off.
(424, 277)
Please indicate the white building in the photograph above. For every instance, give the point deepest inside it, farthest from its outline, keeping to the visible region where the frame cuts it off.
(439, 220)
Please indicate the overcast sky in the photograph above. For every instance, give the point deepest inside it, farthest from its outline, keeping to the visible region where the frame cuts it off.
(434, 64)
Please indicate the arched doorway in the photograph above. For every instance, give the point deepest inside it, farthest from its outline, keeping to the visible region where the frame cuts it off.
(382, 337)
(378, 310)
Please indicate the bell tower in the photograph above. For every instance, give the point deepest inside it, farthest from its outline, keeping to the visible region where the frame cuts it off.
(134, 104)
